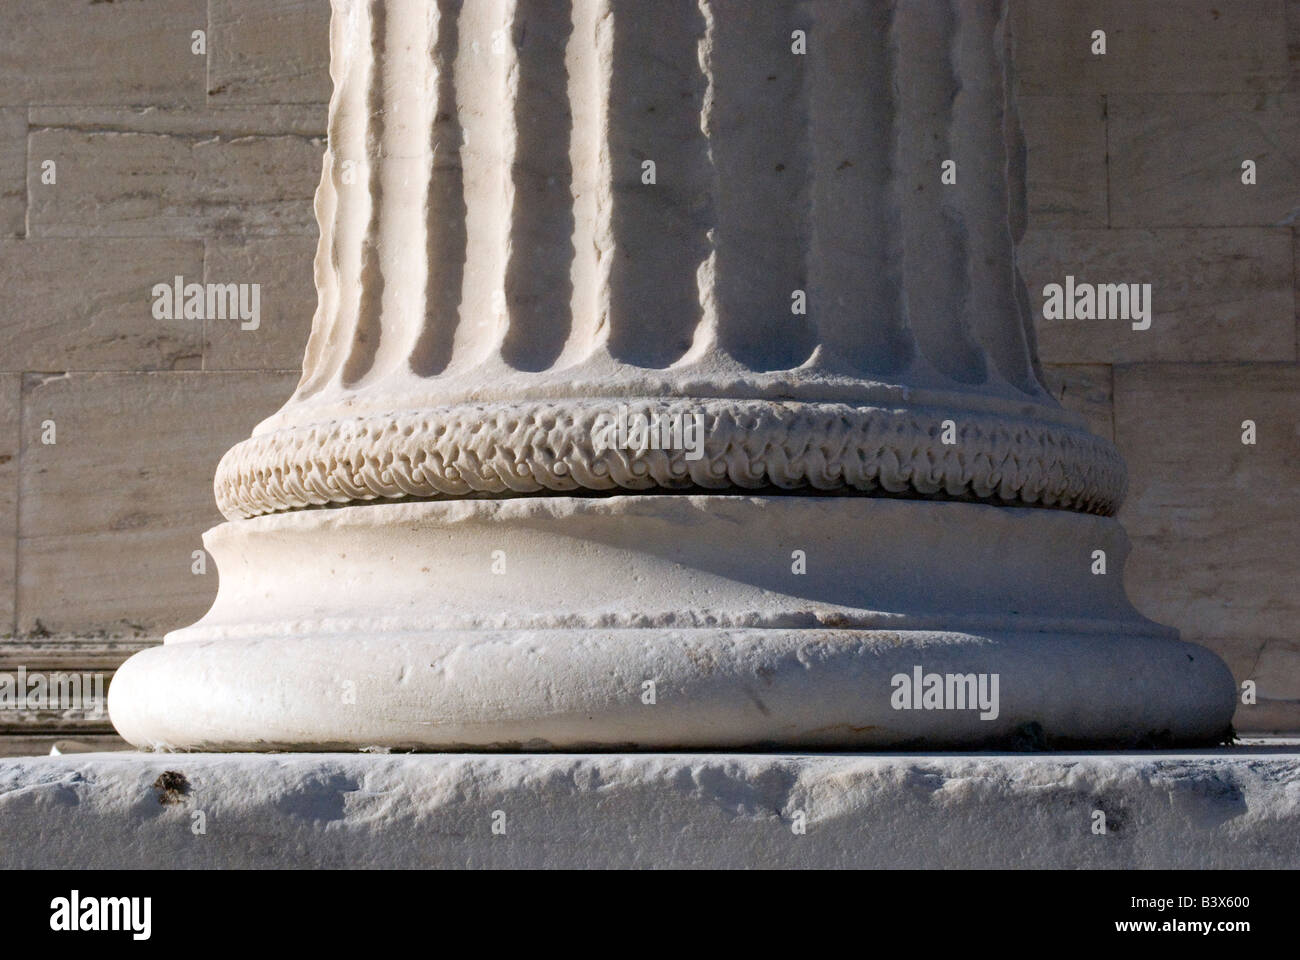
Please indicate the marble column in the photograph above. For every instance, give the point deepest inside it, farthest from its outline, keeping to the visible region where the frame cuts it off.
(550, 225)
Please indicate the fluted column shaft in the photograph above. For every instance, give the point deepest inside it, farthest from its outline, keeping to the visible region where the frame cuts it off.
(533, 209)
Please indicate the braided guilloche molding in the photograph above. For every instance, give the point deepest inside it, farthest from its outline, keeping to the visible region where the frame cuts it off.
(557, 447)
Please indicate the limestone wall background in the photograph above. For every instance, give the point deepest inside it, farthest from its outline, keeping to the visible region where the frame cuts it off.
(171, 163)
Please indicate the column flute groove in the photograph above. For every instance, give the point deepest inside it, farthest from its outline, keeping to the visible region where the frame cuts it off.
(539, 274)
(855, 250)
(367, 322)
(934, 234)
(660, 228)
(444, 224)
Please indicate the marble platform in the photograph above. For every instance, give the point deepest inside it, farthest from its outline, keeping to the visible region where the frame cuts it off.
(1236, 807)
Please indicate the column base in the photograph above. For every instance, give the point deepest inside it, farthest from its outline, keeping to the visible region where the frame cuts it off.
(662, 622)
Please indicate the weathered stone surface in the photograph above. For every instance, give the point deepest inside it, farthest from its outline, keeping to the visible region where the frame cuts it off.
(1212, 519)
(230, 122)
(1214, 809)
(70, 51)
(1293, 41)
(1066, 176)
(1177, 161)
(113, 510)
(269, 51)
(10, 439)
(99, 654)
(46, 744)
(250, 171)
(13, 172)
(79, 669)
(74, 304)
(283, 268)
(1156, 46)
(1087, 390)
(1217, 294)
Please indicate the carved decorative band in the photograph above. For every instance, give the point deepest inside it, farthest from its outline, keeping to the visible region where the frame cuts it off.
(556, 447)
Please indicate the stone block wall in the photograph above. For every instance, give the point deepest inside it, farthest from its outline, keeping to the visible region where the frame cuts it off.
(168, 162)
(1135, 176)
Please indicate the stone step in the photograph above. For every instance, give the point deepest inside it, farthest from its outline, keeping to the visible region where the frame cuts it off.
(1235, 807)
